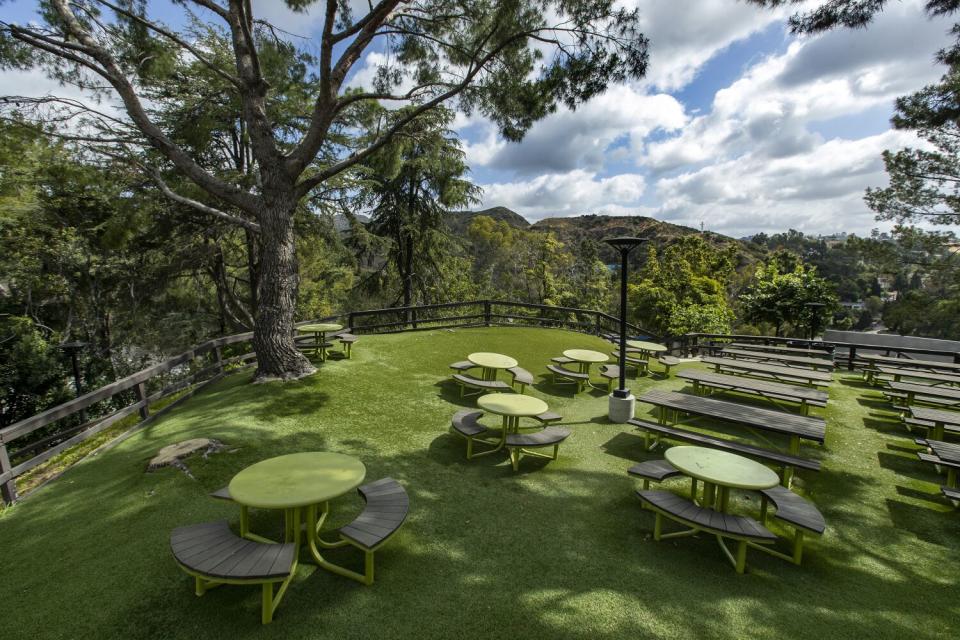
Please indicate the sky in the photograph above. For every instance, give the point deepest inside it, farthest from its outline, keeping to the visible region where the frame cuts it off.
(739, 126)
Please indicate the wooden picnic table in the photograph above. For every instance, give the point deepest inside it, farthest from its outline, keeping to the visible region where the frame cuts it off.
(796, 361)
(813, 352)
(939, 418)
(320, 332)
(805, 396)
(936, 379)
(947, 396)
(780, 373)
(929, 365)
(797, 427)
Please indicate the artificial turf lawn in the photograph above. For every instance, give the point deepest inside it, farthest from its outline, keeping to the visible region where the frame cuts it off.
(558, 550)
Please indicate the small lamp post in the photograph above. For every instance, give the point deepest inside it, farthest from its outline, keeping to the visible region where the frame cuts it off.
(621, 404)
(73, 350)
(815, 309)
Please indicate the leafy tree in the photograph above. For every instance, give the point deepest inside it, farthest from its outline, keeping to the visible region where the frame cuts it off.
(780, 298)
(683, 290)
(489, 56)
(411, 183)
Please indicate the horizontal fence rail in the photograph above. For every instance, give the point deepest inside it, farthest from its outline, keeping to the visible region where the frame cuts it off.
(204, 364)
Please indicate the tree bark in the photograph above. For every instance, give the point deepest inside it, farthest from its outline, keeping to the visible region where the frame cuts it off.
(277, 354)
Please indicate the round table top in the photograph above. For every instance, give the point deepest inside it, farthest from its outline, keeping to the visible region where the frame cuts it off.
(511, 404)
(491, 360)
(297, 480)
(586, 355)
(646, 346)
(320, 328)
(722, 468)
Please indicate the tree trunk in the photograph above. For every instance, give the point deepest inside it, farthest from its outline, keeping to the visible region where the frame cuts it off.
(277, 354)
(253, 270)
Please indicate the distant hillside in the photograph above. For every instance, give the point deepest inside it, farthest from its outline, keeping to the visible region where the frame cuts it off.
(341, 223)
(458, 221)
(574, 229)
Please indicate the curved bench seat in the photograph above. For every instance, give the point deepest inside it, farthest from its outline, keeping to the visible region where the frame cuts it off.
(466, 423)
(476, 383)
(387, 505)
(742, 529)
(796, 511)
(214, 555)
(548, 437)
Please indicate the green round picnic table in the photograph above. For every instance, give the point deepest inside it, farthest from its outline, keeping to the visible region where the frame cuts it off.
(649, 347)
(302, 485)
(512, 406)
(491, 363)
(585, 358)
(320, 331)
(720, 471)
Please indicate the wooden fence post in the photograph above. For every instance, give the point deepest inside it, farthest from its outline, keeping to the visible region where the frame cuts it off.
(8, 490)
(486, 312)
(218, 354)
(141, 391)
(853, 355)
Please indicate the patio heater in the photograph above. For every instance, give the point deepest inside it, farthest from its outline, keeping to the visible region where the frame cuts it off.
(815, 308)
(621, 404)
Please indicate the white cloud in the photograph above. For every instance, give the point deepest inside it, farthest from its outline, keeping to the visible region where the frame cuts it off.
(567, 194)
(568, 140)
(818, 191)
(684, 36)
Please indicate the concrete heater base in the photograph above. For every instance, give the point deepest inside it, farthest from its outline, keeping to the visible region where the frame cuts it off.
(621, 409)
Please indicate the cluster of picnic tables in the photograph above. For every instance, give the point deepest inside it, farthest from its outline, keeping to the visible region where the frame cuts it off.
(927, 394)
(790, 382)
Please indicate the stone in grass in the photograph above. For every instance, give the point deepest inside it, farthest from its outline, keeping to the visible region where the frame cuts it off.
(172, 455)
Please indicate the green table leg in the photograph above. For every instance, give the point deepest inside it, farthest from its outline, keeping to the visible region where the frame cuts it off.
(937, 433)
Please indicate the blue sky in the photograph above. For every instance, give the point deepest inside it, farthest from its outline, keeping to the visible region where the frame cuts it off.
(738, 124)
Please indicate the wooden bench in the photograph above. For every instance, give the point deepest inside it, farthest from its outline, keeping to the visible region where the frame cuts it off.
(214, 555)
(610, 373)
(575, 377)
(463, 365)
(706, 381)
(346, 343)
(783, 461)
(521, 377)
(482, 385)
(548, 417)
(386, 509)
(467, 424)
(657, 471)
(521, 442)
(796, 511)
(668, 362)
(639, 365)
(950, 493)
(562, 360)
(679, 509)
(222, 494)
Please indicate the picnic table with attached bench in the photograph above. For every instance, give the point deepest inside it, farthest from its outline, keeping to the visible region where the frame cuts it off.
(805, 396)
(912, 393)
(779, 373)
(719, 471)
(928, 365)
(794, 361)
(897, 374)
(796, 427)
(943, 454)
(797, 351)
(937, 421)
(320, 332)
(301, 485)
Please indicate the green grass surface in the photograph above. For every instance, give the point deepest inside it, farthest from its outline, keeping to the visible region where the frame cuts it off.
(559, 550)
